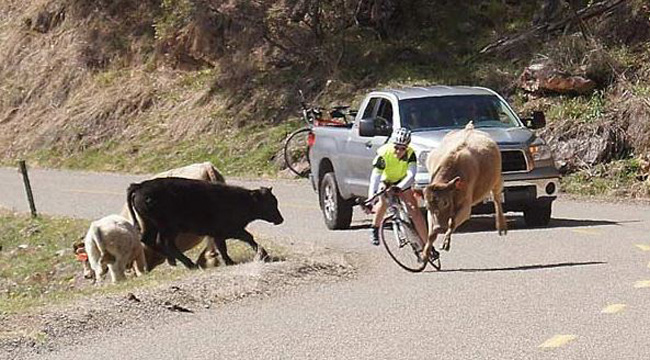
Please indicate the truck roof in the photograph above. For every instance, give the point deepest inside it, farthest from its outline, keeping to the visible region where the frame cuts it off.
(438, 90)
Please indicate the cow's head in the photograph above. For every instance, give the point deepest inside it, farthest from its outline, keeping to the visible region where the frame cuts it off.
(81, 255)
(267, 205)
(439, 198)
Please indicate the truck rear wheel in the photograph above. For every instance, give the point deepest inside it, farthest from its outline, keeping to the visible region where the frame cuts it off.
(538, 215)
(337, 211)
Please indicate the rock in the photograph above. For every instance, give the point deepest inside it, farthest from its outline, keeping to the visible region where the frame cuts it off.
(178, 308)
(545, 77)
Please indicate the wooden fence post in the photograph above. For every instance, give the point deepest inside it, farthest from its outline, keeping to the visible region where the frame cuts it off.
(28, 188)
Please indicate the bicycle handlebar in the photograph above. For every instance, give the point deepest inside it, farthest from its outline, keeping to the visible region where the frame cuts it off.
(368, 202)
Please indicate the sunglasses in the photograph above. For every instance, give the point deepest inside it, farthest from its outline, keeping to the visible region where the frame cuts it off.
(400, 147)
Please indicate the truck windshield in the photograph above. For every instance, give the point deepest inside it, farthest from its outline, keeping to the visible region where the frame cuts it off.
(455, 112)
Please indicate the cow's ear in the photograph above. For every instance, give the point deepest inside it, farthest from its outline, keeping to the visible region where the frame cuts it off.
(428, 192)
(456, 183)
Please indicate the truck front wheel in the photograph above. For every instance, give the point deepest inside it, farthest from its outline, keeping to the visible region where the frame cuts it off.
(336, 210)
(538, 215)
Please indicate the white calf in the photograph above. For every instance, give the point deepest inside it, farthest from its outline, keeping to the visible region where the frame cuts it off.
(113, 242)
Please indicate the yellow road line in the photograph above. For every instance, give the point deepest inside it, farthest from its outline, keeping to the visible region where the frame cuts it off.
(643, 247)
(557, 341)
(586, 231)
(613, 309)
(642, 284)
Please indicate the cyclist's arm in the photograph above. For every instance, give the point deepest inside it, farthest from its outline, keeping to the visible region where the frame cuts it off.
(409, 179)
(378, 167)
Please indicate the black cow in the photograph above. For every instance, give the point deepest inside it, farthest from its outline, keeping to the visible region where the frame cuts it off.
(169, 206)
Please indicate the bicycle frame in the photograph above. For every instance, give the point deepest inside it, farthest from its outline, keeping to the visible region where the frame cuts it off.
(403, 232)
(397, 210)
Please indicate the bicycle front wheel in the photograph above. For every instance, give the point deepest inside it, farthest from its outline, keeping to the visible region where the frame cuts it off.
(401, 241)
(296, 152)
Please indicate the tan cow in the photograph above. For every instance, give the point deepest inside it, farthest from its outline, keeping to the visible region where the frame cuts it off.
(201, 171)
(464, 170)
(112, 243)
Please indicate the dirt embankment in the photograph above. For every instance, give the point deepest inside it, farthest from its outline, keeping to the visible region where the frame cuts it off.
(49, 329)
(117, 85)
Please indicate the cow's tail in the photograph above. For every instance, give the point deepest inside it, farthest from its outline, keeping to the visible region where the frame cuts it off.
(130, 195)
(214, 174)
(99, 242)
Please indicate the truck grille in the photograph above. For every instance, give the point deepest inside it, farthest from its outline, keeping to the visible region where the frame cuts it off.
(513, 160)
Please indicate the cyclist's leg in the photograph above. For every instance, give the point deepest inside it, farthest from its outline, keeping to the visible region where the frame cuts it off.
(415, 214)
(380, 211)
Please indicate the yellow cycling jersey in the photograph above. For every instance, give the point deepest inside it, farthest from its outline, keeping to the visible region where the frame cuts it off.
(393, 169)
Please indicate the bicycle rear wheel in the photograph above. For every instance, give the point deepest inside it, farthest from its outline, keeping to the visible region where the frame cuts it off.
(296, 152)
(401, 241)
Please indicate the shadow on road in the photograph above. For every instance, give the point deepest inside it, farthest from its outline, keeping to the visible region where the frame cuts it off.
(525, 267)
(486, 224)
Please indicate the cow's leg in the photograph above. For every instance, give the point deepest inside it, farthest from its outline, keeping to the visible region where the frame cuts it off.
(149, 235)
(446, 240)
(98, 272)
(88, 271)
(170, 260)
(260, 252)
(116, 270)
(501, 224)
(171, 251)
(220, 243)
(140, 262)
(157, 243)
(151, 238)
(460, 217)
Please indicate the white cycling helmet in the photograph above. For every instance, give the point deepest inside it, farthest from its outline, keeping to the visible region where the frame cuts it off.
(402, 136)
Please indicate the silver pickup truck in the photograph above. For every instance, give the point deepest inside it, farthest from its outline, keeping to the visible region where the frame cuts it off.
(341, 156)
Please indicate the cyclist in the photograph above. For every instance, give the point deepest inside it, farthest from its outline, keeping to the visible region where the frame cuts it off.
(395, 166)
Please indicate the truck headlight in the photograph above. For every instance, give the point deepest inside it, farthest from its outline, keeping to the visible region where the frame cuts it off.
(540, 152)
(422, 159)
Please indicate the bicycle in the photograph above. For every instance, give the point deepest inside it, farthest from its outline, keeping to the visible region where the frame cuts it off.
(397, 233)
(296, 146)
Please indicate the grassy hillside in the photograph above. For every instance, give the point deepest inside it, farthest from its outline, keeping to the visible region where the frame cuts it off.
(126, 85)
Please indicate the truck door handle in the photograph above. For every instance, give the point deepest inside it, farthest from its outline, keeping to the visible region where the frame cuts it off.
(368, 144)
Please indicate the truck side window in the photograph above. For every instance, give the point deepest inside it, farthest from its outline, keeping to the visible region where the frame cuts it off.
(385, 111)
(367, 113)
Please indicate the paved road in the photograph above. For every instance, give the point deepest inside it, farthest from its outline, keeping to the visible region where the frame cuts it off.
(579, 289)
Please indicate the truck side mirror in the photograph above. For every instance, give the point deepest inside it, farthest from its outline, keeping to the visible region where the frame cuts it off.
(374, 126)
(537, 121)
